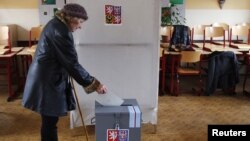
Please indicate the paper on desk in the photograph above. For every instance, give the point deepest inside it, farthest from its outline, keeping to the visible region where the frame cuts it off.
(109, 99)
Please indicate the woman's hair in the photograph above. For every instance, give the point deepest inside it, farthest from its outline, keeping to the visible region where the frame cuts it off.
(63, 17)
(75, 10)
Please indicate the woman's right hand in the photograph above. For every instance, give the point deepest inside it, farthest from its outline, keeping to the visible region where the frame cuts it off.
(101, 89)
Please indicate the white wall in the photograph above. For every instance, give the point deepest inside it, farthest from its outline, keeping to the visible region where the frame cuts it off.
(207, 16)
(23, 18)
(134, 29)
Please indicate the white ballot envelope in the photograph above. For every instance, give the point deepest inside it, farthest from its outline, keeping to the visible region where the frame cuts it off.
(109, 99)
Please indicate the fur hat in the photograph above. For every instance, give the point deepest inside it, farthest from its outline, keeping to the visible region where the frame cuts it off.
(75, 10)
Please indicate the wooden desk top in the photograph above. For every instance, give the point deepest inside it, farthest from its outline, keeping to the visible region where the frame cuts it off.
(2, 46)
(9, 55)
(4, 51)
(205, 52)
(17, 49)
(241, 46)
(27, 51)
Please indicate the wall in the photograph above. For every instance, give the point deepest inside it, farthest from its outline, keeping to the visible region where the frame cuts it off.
(19, 4)
(213, 4)
(208, 11)
(23, 13)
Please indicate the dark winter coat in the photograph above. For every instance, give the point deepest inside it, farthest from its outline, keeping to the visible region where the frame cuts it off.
(180, 36)
(223, 71)
(54, 61)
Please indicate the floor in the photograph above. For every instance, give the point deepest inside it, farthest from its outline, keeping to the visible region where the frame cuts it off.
(182, 118)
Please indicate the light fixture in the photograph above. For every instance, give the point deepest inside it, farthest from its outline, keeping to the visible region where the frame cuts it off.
(221, 3)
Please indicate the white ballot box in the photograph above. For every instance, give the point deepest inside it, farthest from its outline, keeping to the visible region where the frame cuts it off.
(118, 123)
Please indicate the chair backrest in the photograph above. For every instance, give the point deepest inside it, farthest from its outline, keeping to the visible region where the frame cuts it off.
(244, 24)
(240, 31)
(161, 51)
(225, 26)
(35, 33)
(198, 30)
(243, 31)
(166, 33)
(4, 36)
(214, 32)
(190, 56)
(234, 30)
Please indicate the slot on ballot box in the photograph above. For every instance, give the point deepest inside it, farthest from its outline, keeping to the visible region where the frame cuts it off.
(118, 123)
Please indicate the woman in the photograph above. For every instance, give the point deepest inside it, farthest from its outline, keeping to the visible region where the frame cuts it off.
(47, 90)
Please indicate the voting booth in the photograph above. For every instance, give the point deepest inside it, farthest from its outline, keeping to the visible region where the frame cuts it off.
(124, 57)
(118, 122)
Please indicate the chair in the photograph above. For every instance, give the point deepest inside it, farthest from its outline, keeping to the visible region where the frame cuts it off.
(242, 35)
(189, 65)
(166, 34)
(225, 26)
(244, 24)
(214, 32)
(34, 35)
(198, 31)
(28, 53)
(8, 61)
(5, 44)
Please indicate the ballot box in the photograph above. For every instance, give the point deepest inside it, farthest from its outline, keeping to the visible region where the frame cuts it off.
(118, 123)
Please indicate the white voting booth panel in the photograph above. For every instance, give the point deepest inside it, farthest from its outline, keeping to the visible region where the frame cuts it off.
(123, 57)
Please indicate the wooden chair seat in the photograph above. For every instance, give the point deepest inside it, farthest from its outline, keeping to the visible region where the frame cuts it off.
(188, 71)
(184, 68)
(165, 45)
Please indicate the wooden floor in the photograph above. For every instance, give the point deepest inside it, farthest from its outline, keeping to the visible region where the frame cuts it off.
(182, 118)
